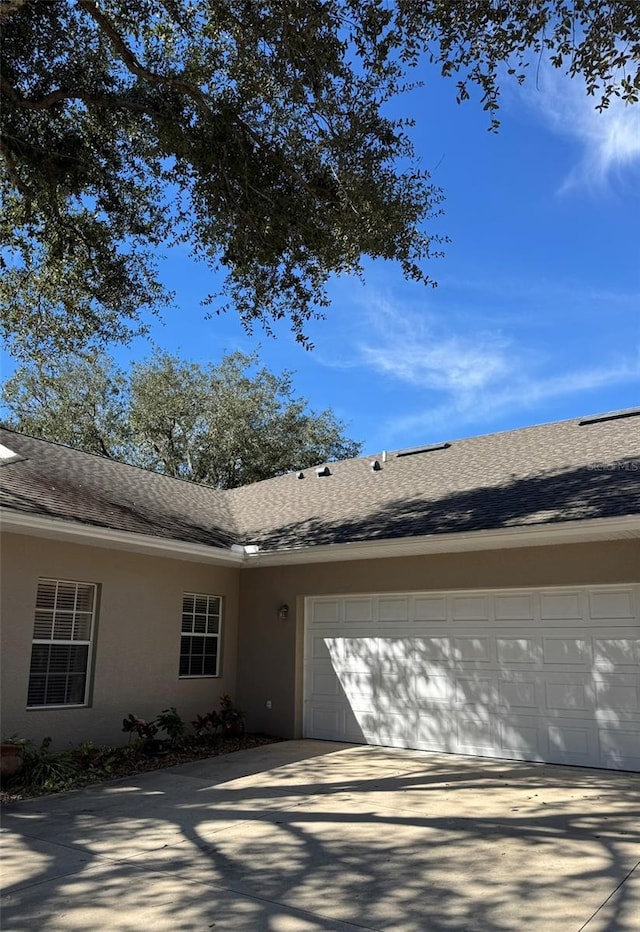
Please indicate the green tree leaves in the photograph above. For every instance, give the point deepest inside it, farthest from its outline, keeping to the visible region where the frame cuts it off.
(225, 425)
(255, 133)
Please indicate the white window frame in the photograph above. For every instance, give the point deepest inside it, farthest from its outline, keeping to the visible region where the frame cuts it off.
(211, 599)
(67, 642)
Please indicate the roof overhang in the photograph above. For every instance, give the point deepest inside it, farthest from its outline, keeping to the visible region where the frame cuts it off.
(89, 534)
(565, 532)
(542, 535)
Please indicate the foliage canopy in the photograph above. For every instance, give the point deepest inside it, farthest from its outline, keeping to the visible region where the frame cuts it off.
(225, 425)
(253, 133)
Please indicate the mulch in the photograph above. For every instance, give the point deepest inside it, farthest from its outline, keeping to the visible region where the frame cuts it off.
(130, 764)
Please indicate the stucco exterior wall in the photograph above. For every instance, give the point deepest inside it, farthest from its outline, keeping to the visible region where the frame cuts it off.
(138, 629)
(137, 644)
(271, 656)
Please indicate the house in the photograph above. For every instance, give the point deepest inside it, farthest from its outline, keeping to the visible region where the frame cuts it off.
(480, 596)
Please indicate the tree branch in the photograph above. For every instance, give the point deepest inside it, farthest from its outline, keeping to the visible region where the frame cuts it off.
(195, 93)
(12, 171)
(132, 64)
(112, 102)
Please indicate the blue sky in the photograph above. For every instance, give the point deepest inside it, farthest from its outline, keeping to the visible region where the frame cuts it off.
(537, 313)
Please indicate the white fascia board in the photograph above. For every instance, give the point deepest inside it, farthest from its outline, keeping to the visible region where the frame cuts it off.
(565, 532)
(56, 529)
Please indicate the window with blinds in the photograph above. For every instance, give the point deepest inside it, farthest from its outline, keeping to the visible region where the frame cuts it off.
(62, 638)
(200, 637)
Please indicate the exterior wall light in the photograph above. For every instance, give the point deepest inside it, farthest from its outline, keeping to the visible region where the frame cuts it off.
(283, 612)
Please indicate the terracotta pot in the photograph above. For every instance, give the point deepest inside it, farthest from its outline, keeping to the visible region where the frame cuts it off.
(10, 759)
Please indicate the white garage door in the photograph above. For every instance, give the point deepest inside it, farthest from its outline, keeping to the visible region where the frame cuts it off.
(547, 675)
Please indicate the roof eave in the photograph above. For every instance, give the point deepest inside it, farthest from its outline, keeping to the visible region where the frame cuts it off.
(93, 535)
(566, 532)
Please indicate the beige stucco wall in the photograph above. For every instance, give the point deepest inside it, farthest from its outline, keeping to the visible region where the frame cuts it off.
(271, 656)
(137, 644)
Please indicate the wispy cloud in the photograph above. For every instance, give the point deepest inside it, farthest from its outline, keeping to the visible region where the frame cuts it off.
(520, 392)
(471, 378)
(412, 351)
(609, 140)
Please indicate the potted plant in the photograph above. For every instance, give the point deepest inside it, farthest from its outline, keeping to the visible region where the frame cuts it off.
(12, 755)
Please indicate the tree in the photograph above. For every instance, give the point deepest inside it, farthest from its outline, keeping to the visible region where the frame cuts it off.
(255, 132)
(79, 401)
(225, 425)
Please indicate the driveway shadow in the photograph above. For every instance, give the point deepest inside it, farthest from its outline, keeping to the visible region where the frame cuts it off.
(313, 835)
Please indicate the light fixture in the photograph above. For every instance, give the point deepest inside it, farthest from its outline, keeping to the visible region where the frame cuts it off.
(283, 612)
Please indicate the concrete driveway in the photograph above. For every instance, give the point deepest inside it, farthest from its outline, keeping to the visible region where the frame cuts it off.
(311, 835)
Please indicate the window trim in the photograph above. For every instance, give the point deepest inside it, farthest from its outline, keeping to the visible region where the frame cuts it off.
(217, 635)
(66, 643)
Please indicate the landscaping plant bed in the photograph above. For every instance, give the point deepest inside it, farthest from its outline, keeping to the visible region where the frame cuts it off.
(154, 744)
(99, 764)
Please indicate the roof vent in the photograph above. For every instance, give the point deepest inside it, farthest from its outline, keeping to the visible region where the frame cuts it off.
(414, 452)
(300, 475)
(612, 416)
(323, 471)
(375, 466)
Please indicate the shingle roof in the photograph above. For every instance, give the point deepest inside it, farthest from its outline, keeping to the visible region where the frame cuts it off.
(60, 482)
(537, 475)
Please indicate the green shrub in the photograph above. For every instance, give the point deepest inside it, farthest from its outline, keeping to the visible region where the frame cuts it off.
(172, 724)
(45, 772)
(232, 718)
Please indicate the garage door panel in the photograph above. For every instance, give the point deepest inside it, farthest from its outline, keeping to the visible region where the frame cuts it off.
(396, 653)
(432, 687)
(482, 691)
(469, 608)
(352, 730)
(393, 691)
(430, 608)
(324, 685)
(395, 729)
(617, 650)
(535, 675)
(435, 732)
(433, 649)
(325, 721)
(519, 694)
(618, 695)
(475, 735)
(575, 694)
(358, 610)
(320, 649)
(359, 655)
(571, 742)
(359, 689)
(611, 605)
(393, 610)
(326, 611)
(518, 650)
(567, 651)
(621, 746)
(472, 649)
(518, 736)
(561, 606)
(514, 608)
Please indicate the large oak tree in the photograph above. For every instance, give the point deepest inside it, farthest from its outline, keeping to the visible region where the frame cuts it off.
(252, 131)
(226, 425)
